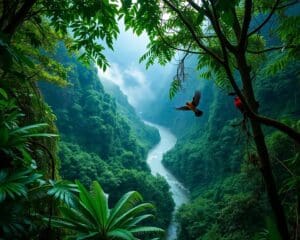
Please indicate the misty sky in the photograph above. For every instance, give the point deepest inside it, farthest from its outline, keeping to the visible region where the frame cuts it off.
(140, 85)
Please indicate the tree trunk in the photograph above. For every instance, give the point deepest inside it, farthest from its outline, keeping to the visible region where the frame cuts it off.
(18, 18)
(270, 184)
(259, 139)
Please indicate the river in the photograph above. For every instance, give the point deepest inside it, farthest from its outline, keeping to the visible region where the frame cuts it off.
(154, 158)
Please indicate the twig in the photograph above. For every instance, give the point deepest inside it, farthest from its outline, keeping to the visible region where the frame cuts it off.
(266, 20)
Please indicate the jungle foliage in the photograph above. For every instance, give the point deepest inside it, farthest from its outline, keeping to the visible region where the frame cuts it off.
(97, 142)
(229, 40)
(30, 188)
(216, 159)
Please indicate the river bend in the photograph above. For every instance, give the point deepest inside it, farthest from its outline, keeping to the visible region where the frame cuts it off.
(154, 158)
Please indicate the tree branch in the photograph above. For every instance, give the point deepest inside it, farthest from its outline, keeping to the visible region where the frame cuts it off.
(195, 5)
(228, 70)
(176, 48)
(288, 4)
(191, 30)
(276, 124)
(236, 25)
(266, 20)
(270, 49)
(213, 17)
(247, 19)
(19, 18)
(250, 113)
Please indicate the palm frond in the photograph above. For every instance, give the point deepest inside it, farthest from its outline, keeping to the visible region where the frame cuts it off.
(101, 205)
(88, 202)
(128, 200)
(146, 230)
(121, 234)
(63, 190)
(15, 184)
(90, 217)
(131, 213)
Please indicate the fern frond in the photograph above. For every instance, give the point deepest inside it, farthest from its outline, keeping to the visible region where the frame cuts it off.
(174, 88)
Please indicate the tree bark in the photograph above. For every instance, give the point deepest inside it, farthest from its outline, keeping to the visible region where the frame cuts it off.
(18, 18)
(278, 125)
(259, 139)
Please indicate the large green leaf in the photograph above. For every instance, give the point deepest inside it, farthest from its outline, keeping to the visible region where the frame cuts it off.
(88, 202)
(146, 230)
(124, 204)
(28, 128)
(133, 212)
(100, 203)
(135, 221)
(15, 184)
(63, 190)
(90, 217)
(121, 234)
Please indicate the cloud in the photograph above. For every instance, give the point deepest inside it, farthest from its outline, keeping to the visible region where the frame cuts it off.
(132, 82)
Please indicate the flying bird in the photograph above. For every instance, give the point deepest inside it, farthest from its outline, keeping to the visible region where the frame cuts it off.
(192, 106)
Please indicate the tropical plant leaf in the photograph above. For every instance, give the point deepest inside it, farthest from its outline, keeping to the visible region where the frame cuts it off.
(63, 190)
(15, 184)
(123, 205)
(146, 229)
(101, 206)
(131, 213)
(88, 220)
(87, 201)
(121, 234)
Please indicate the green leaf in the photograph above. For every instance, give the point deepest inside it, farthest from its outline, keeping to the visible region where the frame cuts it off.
(3, 94)
(174, 88)
(3, 137)
(63, 190)
(121, 234)
(15, 184)
(123, 205)
(147, 229)
(101, 203)
(88, 218)
(29, 127)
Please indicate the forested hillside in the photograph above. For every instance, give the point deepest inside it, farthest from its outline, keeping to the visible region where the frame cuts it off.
(215, 159)
(100, 141)
(216, 162)
(93, 142)
(146, 135)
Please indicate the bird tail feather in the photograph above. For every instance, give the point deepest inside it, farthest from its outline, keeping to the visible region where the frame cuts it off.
(198, 112)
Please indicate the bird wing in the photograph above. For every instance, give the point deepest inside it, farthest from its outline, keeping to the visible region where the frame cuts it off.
(184, 108)
(196, 98)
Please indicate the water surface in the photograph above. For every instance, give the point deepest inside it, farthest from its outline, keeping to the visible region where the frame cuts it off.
(154, 158)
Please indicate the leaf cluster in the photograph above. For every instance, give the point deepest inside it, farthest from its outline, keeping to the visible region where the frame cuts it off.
(92, 218)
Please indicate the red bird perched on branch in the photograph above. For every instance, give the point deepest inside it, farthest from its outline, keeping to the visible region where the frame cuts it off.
(238, 104)
(192, 106)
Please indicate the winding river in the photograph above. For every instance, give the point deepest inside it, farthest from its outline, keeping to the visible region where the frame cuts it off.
(154, 158)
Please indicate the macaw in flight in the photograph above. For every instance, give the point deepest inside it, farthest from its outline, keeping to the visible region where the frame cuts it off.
(192, 106)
